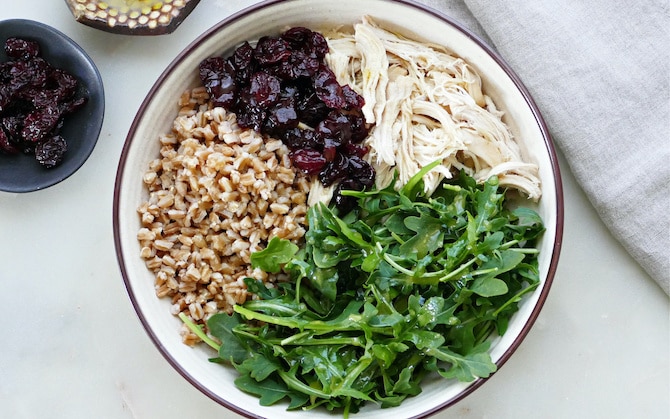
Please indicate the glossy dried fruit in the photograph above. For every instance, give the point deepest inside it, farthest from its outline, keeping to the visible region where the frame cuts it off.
(353, 99)
(299, 138)
(301, 38)
(50, 152)
(39, 123)
(312, 109)
(309, 161)
(335, 129)
(264, 88)
(12, 126)
(218, 76)
(335, 170)
(281, 117)
(271, 50)
(66, 84)
(328, 89)
(21, 49)
(361, 171)
(6, 145)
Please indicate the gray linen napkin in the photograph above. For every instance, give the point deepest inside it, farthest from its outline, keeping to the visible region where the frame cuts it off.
(599, 71)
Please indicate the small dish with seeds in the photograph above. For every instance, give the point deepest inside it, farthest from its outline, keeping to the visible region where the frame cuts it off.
(132, 17)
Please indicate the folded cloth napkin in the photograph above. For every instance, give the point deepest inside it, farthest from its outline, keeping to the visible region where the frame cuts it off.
(599, 72)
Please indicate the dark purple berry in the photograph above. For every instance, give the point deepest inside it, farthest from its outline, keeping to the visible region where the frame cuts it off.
(361, 171)
(358, 150)
(312, 109)
(12, 126)
(346, 203)
(328, 89)
(298, 138)
(308, 41)
(243, 56)
(271, 50)
(335, 170)
(6, 72)
(297, 37)
(335, 130)
(308, 161)
(21, 49)
(40, 123)
(33, 73)
(353, 99)
(6, 96)
(39, 98)
(5, 144)
(249, 115)
(66, 84)
(300, 65)
(317, 45)
(218, 77)
(281, 117)
(264, 89)
(358, 127)
(50, 152)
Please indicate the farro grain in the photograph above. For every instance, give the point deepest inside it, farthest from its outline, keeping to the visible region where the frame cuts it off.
(216, 194)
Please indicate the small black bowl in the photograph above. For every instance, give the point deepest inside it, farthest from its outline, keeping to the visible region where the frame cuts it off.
(22, 172)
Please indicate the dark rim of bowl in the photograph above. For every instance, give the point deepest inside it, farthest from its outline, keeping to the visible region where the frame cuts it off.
(99, 108)
(493, 54)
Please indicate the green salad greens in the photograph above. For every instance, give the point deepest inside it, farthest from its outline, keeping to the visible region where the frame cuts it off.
(403, 286)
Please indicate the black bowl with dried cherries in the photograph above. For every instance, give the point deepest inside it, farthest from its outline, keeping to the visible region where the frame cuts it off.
(34, 99)
(281, 87)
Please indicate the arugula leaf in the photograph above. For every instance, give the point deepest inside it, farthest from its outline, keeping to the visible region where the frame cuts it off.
(489, 287)
(277, 253)
(258, 367)
(271, 391)
(405, 384)
(464, 367)
(221, 325)
(427, 238)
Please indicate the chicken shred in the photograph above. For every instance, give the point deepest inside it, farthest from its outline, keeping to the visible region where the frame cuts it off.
(426, 104)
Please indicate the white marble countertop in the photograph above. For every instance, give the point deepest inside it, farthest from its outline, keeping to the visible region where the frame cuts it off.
(72, 347)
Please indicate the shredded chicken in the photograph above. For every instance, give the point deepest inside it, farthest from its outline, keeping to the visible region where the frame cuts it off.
(426, 104)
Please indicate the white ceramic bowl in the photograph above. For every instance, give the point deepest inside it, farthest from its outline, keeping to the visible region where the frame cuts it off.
(268, 18)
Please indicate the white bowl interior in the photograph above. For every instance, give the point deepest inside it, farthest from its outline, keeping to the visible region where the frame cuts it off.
(160, 108)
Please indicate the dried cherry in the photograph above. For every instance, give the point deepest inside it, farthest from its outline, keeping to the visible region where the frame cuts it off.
(299, 138)
(309, 161)
(361, 171)
(34, 98)
(337, 169)
(264, 88)
(218, 77)
(39, 123)
(21, 49)
(312, 109)
(51, 151)
(328, 89)
(281, 117)
(270, 50)
(6, 145)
